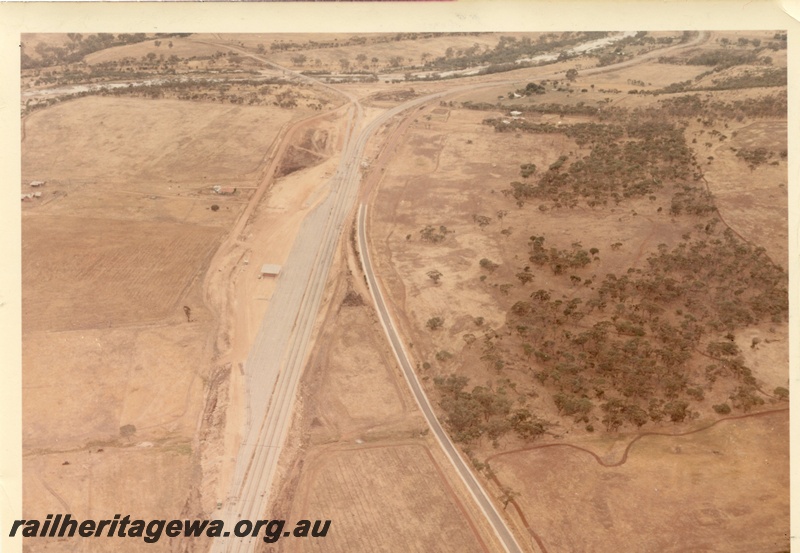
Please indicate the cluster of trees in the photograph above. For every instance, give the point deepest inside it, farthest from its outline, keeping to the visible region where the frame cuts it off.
(80, 46)
(623, 352)
(720, 59)
(128, 68)
(484, 411)
(578, 108)
(772, 76)
(645, 345)
(751, 78)
(530, 89)
(754, 157)
(559, 260)
(252, 92)
(284, 46)
(736, 281)
(691, 200)
(508, 50)
(695, 106)
(623, 349)
(431, 234)
(629, 160)
(646, 326)
(75, 50)
(629, 46)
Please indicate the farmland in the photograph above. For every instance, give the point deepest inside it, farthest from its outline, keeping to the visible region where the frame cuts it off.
(584, 257)
(123, 374)
(148, 278)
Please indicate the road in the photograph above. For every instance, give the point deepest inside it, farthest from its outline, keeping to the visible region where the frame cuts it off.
(505, 536)
(276, 360)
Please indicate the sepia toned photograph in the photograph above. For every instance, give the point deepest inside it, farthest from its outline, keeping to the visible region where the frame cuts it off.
(474, 291)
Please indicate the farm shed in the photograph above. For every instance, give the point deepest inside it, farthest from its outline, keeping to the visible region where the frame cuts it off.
(270, 270)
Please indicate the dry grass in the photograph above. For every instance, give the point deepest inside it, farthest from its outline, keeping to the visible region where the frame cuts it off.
(144, 482)
(127, 141)
(381, 497)
(81, 387)
(677, 488)
(181, 47)
(752, 201)
(127, 272)
(410, 50)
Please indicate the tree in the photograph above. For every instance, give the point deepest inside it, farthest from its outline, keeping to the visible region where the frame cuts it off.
(157, 43)
(572, 74)
(344, 63)
(677, 411)
(541, 295)
(524, 277)
(260, 49)
(488, 264)
(361, 58)
(508, 496)
(482, 220)
(170, 44)
(527, 169)
(452, 384)
(434, 275)
(435, 323)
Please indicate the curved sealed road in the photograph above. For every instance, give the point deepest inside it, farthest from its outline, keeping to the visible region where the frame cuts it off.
(498, 524)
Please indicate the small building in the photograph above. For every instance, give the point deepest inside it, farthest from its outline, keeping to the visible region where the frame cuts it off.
(515, 113)
(224, 190)
(27, 197)
(37, 183)
(267, 269)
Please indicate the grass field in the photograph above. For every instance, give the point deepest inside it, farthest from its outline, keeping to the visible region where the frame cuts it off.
(99, 482)
(117, 245)
(384, 496)
(677, 488)
(128, 141)
(128, 272)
